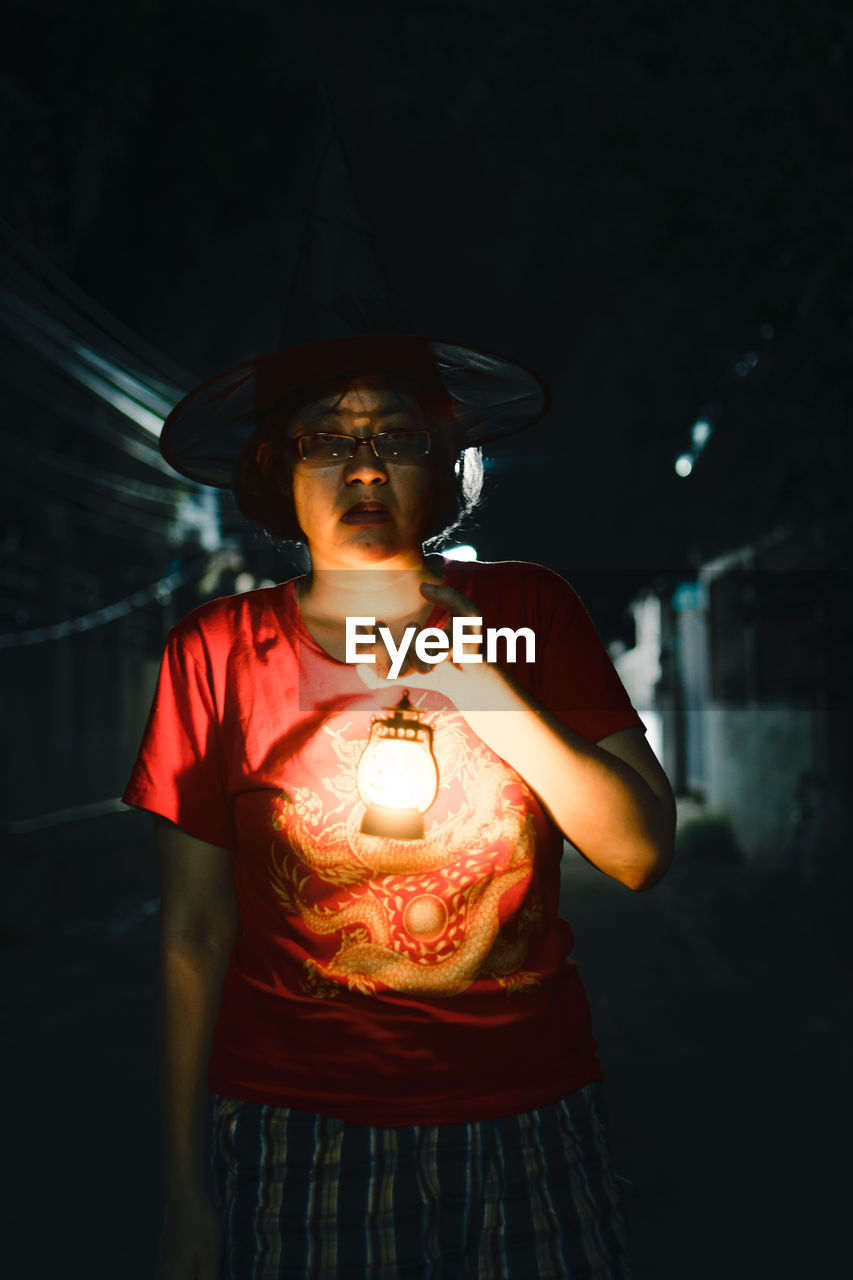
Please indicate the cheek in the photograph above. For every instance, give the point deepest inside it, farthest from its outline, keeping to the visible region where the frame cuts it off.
(417, 492)
(298, 497)
(311, 491)
(422, 484)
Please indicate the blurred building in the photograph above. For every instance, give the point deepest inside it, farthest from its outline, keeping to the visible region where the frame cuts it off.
(102, 549)
(99, 541)
(740, 678)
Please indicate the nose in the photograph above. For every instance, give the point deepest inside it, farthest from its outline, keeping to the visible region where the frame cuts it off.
(366, 467)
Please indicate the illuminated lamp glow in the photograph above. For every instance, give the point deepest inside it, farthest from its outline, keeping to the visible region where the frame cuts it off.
(684, 464)
(397, 776)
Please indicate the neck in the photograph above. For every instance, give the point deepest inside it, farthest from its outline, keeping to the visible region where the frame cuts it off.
(386, 593)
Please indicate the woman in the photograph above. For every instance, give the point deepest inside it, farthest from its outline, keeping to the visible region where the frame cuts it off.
(403, 1073)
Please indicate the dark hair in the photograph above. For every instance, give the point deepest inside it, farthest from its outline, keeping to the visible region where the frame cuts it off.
(264, 488)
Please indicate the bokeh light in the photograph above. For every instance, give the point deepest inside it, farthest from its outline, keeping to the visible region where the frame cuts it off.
(701, 432)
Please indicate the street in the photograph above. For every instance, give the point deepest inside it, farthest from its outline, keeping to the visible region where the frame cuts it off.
(727, 1071)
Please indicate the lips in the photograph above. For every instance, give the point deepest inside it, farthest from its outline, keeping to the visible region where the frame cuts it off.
(366, 513)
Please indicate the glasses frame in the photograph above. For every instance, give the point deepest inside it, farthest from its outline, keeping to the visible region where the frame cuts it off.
(355, 442)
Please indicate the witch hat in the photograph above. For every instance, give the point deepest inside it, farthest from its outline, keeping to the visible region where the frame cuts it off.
(339, 285)
(342, 318)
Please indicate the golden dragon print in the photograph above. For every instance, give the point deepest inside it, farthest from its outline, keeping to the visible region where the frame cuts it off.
(415, 916)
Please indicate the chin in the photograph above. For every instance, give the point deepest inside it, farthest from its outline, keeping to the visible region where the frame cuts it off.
(375, 550)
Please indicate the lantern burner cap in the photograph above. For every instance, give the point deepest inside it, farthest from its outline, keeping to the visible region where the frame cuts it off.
(394, 824)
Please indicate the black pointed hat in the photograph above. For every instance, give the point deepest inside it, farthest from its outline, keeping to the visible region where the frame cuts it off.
(342, 318)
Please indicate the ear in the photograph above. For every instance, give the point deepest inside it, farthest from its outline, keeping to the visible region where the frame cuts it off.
(263, 455)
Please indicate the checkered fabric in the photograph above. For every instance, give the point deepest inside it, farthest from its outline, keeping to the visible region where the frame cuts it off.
(517, 1198)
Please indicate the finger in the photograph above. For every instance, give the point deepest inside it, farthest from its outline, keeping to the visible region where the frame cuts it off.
(450, 599)
(370, 679)
(469, 634)
(458, 606)
(380, 652)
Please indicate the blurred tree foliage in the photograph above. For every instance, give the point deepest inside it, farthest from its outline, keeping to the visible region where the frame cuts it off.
(690, 165)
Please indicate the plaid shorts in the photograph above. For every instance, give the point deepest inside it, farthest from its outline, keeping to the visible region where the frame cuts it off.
(517, 1198)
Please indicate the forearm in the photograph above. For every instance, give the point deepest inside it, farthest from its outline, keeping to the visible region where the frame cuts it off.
(191, 974)
(600, 803)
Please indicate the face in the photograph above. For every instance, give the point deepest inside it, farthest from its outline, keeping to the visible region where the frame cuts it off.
(366, 510)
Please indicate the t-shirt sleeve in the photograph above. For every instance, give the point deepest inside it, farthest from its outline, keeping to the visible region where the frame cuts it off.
(179, 772)
(575, 677)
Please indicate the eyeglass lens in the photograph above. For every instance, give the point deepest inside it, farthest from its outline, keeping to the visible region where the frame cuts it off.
(389, 445)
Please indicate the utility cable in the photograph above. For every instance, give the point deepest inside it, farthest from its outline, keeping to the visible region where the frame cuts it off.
(160, 592)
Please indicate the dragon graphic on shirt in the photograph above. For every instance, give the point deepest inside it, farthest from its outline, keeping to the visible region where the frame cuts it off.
(416, 916)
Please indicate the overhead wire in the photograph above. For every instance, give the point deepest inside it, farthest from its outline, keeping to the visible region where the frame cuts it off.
(160, 591)
(24, 266)
(110, 514)
(52, 389)
(41, 456)
(81, 368)
(86, 348)
(140, 403)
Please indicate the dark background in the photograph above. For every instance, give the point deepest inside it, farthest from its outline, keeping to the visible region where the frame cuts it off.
(648, 203)
(631, 198)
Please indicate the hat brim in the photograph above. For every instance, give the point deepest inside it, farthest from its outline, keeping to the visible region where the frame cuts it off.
(204, 436)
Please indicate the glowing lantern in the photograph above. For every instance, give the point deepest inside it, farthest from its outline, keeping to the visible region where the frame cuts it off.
(397, 775)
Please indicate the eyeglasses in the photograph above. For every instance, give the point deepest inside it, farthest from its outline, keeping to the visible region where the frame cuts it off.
(325, 448)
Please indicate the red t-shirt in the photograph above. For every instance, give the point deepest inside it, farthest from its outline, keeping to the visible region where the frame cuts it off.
(383, 981)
